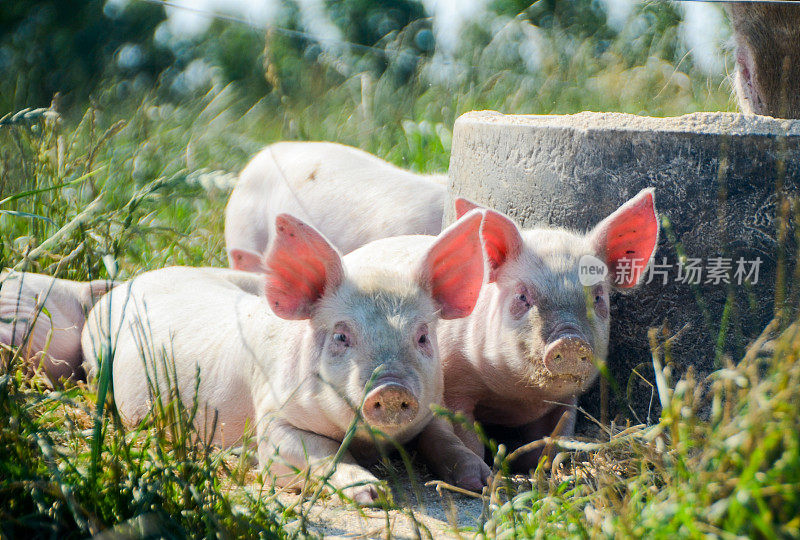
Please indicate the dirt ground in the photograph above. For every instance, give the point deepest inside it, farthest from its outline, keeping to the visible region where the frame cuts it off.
(423, 511)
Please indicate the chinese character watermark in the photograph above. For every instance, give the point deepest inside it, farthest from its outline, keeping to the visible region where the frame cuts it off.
(688, 271)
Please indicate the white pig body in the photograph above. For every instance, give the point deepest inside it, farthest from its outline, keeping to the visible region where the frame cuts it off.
(294, 361)
(349, 195)
(492, 361)
(244, 353)
(152, 317)
(44, 316)
(532, 344)
(518, 363)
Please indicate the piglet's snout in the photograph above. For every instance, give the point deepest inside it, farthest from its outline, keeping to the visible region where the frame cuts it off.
(390, 404)
(569, 355)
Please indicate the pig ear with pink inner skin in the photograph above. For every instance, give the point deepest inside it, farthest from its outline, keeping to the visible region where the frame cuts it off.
(246, 260)
(501, 241)
(627, 239)
(465, 205)
(301, 266)
(452, 269)
(499, 234)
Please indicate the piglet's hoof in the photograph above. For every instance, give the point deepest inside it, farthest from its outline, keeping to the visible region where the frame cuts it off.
(365, 495)
(471, 473)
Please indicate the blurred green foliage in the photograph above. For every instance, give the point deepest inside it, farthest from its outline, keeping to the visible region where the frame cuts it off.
(77, 48)
(70, 46)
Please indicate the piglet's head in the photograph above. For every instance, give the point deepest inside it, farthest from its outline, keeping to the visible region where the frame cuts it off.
(549, 323)
(372, 315)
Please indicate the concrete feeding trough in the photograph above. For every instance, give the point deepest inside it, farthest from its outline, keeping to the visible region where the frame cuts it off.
(722, 183)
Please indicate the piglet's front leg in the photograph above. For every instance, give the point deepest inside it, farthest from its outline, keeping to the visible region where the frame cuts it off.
(558, 422)
(465, 432)
(450, 459)
(285, 446)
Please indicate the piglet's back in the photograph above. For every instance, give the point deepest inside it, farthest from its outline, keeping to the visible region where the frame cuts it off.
(163, 317)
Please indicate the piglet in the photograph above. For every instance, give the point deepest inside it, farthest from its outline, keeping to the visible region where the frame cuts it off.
(533, 342)
(43, 316)
(327, 338)
(306, 178)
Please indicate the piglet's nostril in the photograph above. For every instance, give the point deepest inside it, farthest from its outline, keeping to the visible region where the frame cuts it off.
(570, 355)
(390, 404)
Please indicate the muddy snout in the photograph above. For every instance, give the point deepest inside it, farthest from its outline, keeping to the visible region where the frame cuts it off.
(569, 355)
(390, 404)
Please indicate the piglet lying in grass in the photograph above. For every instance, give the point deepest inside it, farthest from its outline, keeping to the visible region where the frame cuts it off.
(43, 316)
(302, 178)
(329, 336)
(532, 344)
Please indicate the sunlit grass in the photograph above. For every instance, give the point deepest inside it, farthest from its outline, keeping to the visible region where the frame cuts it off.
(723, 460)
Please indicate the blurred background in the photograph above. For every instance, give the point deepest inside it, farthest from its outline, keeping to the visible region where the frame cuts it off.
(660, 58)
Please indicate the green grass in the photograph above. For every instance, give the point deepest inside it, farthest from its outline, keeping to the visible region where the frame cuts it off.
(138, 182)
(722, 461)
(151, 481)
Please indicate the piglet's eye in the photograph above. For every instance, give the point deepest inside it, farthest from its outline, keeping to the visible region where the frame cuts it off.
(522, 301)
(424, 340)
(341, 338)
(600, 302)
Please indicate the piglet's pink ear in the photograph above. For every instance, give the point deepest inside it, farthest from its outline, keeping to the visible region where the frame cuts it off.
(452, 269)
(627, 239)
(501, 241)
(245, 260)
(464, 205)
(301, 266)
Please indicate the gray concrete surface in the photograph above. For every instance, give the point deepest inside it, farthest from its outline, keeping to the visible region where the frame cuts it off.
(719, 180)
